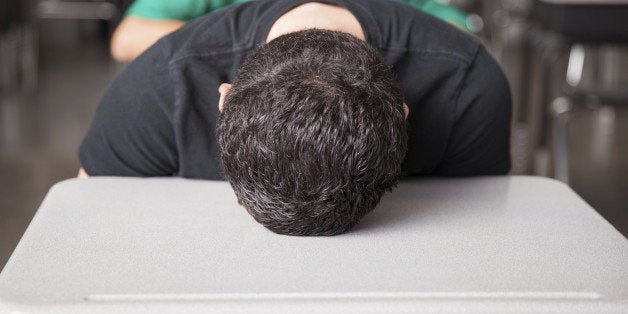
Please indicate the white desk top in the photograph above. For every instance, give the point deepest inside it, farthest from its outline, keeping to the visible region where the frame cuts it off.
(586, 2)
(113, 245)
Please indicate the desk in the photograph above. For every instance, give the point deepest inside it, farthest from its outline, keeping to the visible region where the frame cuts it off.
(591, 21)
(567, 27)
(477, 245)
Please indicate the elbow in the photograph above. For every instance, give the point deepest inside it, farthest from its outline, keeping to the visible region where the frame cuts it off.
(82, 174)
(122, 49)
(134, 35)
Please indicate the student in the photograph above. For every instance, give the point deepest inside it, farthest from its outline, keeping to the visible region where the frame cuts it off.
(334, 103)
(148, 20)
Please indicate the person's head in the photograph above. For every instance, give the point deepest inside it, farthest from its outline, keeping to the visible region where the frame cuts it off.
(312, 132)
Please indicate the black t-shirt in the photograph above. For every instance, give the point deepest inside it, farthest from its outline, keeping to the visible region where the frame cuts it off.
(158, 116)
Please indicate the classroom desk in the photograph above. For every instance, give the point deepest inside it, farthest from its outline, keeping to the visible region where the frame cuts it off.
(590, 21)
(477, 245)
(562, 28)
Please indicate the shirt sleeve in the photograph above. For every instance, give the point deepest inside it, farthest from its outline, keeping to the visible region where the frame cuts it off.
(183, 10)
(479, 142)
(131, 133)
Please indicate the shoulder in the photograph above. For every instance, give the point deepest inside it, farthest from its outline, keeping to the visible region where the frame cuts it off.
(221, 31)
(484, 86)
(398, 26)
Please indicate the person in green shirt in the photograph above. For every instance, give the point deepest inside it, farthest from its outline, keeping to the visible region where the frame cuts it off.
(146, 21)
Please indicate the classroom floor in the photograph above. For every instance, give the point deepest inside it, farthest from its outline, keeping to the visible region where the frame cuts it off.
(40, 133)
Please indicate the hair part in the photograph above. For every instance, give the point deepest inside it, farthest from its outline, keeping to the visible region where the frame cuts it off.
(312, 132)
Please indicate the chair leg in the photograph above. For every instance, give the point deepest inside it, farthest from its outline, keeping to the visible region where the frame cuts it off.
(561, 107)
(575, 65)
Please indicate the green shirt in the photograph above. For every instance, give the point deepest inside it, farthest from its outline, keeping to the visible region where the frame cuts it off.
(183, 10)
(442, 11)
(186, 10)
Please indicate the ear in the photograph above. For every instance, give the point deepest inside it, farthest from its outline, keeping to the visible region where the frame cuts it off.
(406, 110)
(223, 90)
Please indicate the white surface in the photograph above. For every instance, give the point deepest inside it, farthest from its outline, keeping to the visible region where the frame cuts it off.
(517, 244)
(586, 2)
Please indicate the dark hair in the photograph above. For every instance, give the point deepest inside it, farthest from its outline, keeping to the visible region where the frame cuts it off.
(312, 132)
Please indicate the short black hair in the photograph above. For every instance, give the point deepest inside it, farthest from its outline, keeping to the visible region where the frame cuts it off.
(312, 132)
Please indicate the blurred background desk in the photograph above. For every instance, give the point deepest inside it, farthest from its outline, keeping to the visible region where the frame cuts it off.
(483, 245)
(575, 88)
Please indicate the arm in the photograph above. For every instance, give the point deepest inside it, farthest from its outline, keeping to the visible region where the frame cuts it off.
(479, 143)
(82, 174)
(131, 133)
(135, 34)
(146, 21)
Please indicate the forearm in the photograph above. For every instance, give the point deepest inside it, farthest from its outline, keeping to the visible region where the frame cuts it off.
(135, 34)
(82, 174)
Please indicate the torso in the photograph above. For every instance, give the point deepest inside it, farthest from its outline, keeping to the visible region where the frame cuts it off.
(180, 75)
